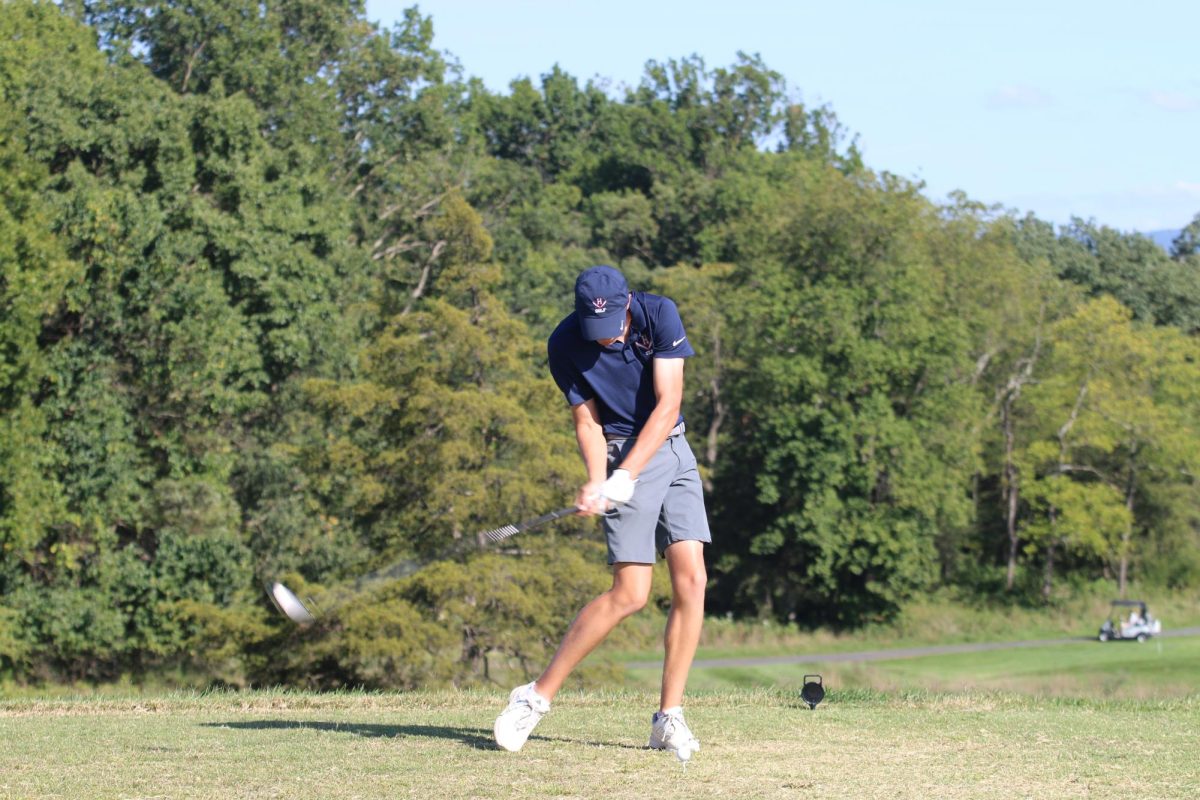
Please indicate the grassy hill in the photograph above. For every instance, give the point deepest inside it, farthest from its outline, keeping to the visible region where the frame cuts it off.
(1156, 670)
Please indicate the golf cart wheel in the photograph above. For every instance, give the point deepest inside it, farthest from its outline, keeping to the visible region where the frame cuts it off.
(1141, 637)
(1103, 636)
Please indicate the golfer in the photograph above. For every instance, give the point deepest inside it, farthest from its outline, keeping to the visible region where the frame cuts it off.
(618, 359)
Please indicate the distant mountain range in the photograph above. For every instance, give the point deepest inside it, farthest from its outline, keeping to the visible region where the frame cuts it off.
(1163, 238)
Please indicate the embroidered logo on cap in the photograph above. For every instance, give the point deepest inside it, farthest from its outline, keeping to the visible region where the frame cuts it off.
(599, 303)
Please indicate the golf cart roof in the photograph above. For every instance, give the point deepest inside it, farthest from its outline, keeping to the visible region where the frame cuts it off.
(1140, 603)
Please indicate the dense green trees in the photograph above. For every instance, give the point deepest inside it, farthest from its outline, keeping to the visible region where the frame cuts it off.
(275, 286)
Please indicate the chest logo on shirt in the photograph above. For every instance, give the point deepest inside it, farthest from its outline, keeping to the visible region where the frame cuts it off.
(644, 343)
(599, 304)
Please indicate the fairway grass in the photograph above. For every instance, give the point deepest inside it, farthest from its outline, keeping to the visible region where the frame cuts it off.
(756, 744)
(1158, 669)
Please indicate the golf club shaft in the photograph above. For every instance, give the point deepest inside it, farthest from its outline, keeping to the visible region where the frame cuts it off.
(401, 569)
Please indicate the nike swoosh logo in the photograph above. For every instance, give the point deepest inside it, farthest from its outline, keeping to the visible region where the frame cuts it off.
(677, 341)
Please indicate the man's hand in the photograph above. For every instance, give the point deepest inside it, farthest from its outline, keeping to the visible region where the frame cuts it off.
(596, 497)
(619, 487)
(590, 501)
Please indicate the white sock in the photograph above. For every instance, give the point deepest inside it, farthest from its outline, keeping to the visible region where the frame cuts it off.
(675, 711)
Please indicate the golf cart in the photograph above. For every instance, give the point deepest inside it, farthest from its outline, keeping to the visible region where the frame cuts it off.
(1128, 619)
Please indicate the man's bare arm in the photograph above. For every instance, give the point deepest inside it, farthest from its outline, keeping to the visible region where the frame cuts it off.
(589, 433)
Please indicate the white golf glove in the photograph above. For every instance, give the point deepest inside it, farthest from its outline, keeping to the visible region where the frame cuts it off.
(619, 487)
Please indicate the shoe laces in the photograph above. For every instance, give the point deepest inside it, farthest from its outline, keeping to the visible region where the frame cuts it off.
(527, 707)
(674, 724)
(525, 713)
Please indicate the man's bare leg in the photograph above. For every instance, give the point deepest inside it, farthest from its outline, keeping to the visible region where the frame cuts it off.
(629, 592)
(688, 581)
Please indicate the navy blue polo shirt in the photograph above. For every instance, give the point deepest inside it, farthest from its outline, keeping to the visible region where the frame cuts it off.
(619, 377)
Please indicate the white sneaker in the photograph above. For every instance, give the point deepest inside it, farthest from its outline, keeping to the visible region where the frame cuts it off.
(668, 731)
(525, 709)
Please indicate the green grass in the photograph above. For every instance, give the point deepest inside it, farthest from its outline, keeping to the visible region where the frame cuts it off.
(757, 744)
(1160, 668)
(1090, 720)
(939, 619)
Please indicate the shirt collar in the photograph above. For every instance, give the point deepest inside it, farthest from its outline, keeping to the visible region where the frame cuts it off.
(637, 319)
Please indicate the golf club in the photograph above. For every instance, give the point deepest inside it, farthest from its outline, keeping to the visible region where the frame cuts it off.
(499, 534)
(295, 609)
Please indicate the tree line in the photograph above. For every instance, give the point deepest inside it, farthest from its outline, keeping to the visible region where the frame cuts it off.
(275, 288)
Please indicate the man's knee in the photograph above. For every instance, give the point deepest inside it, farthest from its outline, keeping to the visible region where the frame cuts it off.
(688, 576)
(628, 600)
(631, 588)
(690, 584)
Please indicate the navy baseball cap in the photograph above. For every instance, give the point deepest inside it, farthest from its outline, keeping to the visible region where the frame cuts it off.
(601, 295)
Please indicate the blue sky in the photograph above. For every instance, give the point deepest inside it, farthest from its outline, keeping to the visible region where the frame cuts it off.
(1059, 107)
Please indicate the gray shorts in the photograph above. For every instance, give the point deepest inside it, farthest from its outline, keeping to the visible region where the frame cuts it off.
(667, 504)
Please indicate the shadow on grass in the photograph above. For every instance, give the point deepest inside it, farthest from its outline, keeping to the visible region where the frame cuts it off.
(472, 737)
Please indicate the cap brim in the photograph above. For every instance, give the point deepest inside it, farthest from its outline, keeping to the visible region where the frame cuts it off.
(609, 327)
